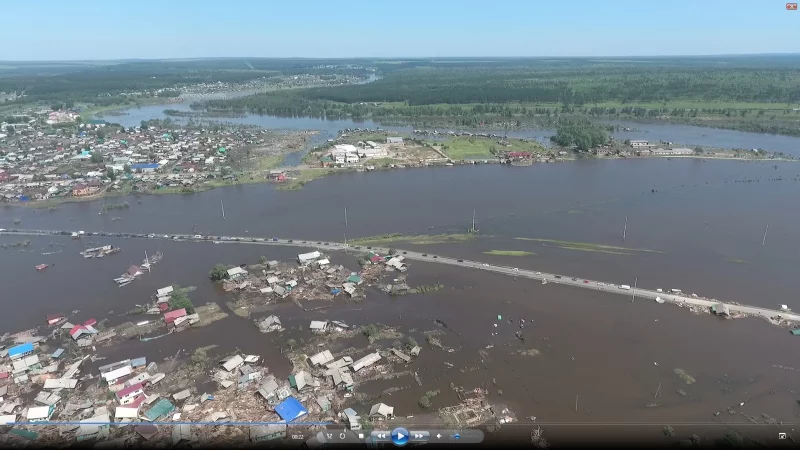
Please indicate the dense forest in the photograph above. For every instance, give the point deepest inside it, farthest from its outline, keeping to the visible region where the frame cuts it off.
(424, 86)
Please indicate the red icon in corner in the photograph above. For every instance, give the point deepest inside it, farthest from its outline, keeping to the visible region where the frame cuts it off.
(791, 6)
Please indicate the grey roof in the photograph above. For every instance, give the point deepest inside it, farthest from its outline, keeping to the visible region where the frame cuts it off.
(381, 409)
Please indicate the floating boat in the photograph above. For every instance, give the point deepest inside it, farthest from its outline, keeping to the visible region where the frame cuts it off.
(42, 267)
(125, 283)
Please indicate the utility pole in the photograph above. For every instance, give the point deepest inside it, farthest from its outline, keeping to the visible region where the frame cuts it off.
(635, 282)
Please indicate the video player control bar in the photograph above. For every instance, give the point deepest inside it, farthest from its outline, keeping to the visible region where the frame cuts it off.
(401, 436)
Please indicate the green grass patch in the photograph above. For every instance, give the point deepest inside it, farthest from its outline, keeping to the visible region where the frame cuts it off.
(306, 175)
(589, 247)
(422, 239)
(508, 253)
(269, 162)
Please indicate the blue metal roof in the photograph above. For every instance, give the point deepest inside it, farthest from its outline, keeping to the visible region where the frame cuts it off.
(144, 166)
(291, 409)
(20, 350)
(57, 353)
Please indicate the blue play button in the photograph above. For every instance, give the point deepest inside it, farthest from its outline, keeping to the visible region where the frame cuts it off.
(399, 437)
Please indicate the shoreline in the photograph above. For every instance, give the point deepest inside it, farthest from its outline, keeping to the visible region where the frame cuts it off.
(313, 173)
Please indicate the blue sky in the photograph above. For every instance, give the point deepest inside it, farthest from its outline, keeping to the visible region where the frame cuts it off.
(116, 29)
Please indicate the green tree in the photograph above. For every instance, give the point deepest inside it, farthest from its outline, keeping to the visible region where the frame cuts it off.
(10, 130)
(369, 330)
(110, 174)
(291, 343)
(97, 158)
(262, 260)
(218, 273)
(127, 168)
(179, 299)
(733, 439)
(392, 251)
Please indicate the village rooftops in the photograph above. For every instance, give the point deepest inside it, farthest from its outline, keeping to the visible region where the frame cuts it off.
(321, 358)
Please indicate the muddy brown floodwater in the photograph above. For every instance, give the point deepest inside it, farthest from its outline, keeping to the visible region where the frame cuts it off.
(608, 351)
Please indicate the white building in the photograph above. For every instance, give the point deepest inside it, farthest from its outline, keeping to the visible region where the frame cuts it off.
(305, 258)
(639, 143)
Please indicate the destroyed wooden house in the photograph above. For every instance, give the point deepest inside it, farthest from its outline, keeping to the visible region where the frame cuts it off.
(302, 380)
(352, 419)
(270, 324)
(366, 361)
(60, 383)
(322, 358)
(232, 363)
(721, 309)
(47, 398)
(342, 379)
(96, 427)
(269, 389)
(324, 403)
(182, 395)
(406, 359)
(381, 411)
(182, 433)
(318, 326)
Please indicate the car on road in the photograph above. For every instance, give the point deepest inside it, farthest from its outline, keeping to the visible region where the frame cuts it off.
(197, 236)
(425, 255)
(318, 243)
(290, 241)
(435, 256)
(485, 265)
(538, 273)
(558, 276)
(166, 236)
(151, 235)
(274, 239)
(515, 269)
(369, 248)
(574, 279)
(326, 244)
(585, 281)
(460, 260)
(405, 253)
(2, 229)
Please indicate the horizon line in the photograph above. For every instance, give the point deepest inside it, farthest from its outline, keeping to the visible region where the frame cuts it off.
(395, 58)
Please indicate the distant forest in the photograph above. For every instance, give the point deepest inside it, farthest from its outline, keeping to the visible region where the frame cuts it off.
(486, 85)
(428, 86)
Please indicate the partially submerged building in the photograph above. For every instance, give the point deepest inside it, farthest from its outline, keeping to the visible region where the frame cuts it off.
(366, 361)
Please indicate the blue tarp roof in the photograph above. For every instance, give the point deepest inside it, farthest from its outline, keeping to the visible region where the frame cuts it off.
(144, 166)
(20, 349)
(335, 291)
(57, 353)
(138, 362)
(291, 409)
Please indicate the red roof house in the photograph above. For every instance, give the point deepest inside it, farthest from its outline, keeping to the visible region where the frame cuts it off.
(376, 259)
(3, 375)
(163, 307)
(77, 331)
(122, 393)
(172, 315)
(90, 322)
(518, 154)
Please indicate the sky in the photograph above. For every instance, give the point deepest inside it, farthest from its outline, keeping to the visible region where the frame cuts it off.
(118, 29)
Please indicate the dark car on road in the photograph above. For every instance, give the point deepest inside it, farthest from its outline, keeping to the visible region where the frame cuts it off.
(274, 239)
(290, 241)
(460, 260)
(435, 256)
(425, 255)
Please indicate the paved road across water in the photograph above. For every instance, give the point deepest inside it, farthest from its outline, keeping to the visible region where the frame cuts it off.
(634, 293)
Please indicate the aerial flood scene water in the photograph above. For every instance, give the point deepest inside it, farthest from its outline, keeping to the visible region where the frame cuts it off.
(399, 252)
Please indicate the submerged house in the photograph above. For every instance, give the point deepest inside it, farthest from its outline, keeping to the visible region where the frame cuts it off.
(381, 411)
